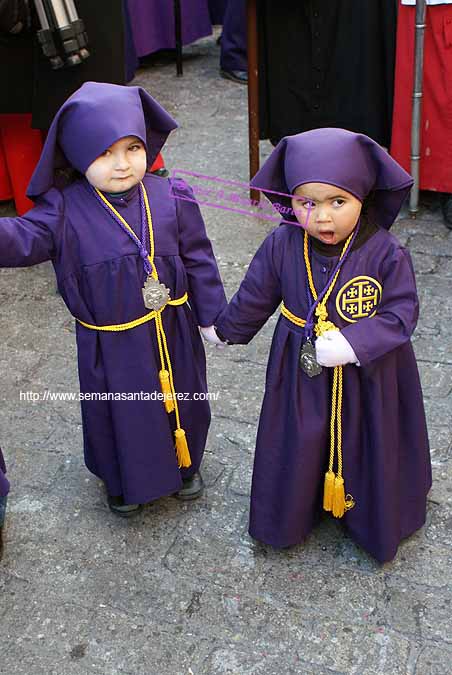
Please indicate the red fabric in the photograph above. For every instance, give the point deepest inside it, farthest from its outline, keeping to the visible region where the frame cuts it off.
(436, 126)
(158, 163)
(20, 149)
(6, 190)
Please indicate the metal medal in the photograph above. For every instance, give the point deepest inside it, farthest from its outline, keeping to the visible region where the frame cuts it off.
(308, 362)
(155, 294)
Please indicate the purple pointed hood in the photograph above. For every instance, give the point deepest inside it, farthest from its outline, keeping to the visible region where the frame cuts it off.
(93, 118)
(353, 162)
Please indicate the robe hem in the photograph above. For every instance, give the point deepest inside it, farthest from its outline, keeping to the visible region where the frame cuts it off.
(354, 537)
(385, 559)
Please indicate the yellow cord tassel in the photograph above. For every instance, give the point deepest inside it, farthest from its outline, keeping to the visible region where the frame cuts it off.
(166, 390)
(328, 491)
(339, 498)
(182, 451)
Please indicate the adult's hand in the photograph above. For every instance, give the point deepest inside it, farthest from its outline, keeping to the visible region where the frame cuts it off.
(14, 15)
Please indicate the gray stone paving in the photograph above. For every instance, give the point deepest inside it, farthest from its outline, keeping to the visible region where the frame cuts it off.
(183, 590)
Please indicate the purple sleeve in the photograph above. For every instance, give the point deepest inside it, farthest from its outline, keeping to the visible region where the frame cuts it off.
(29, 239)
(205, 288)
(397, 313)
(257, 298)
(4, 485)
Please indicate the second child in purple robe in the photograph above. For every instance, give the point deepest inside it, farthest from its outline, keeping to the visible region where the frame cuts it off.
(136, 269)
(342, 427)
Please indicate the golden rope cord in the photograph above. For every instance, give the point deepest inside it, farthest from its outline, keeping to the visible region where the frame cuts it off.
(166, 373)
(334, 498)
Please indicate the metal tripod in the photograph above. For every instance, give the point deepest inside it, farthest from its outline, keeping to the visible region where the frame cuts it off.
(62, 35)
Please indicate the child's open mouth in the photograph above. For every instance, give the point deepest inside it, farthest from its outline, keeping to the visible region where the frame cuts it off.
(327, 236)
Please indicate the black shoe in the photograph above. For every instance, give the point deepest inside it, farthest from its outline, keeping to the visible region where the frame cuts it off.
(446, 207)
(117, 505)
(3, 501)
(192, 488)
(163, 173)
(239, 76)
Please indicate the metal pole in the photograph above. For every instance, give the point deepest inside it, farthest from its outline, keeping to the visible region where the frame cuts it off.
(59, 11)
(178, 34)
(417, 105)
(71, 10)
(253, 92)
(42, 16)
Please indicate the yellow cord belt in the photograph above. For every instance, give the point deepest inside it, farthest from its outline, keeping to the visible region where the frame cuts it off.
(334, 497)
(166, 372)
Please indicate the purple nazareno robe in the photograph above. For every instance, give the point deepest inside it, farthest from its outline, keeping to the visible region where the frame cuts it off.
(217, 9)
(385, 445)
(129, 444)
(234, 38)
(386, 460)
(130, 52)
(153, 23)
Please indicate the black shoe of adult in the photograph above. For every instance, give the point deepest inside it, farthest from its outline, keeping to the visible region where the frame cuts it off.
(446, 207)
(192, 488)
(239, 76)
(117, 506)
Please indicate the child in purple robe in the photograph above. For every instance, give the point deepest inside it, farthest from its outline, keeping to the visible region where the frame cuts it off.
(4, 489)
(136, 269)
(342, 424)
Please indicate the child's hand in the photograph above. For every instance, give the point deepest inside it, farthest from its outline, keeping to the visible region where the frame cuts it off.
(332, 349)
(209, 334)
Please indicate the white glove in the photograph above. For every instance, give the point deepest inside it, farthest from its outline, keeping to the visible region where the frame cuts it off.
(333, 349)
(210, 335)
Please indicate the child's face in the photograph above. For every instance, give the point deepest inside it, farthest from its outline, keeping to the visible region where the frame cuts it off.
(333, 213)
(120, 167)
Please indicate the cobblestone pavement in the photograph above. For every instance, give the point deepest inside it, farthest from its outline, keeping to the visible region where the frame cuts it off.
(183, 590)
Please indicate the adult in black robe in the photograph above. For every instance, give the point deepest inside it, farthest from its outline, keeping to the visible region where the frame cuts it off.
(32, 92)
(326, 64)
(28, 83)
